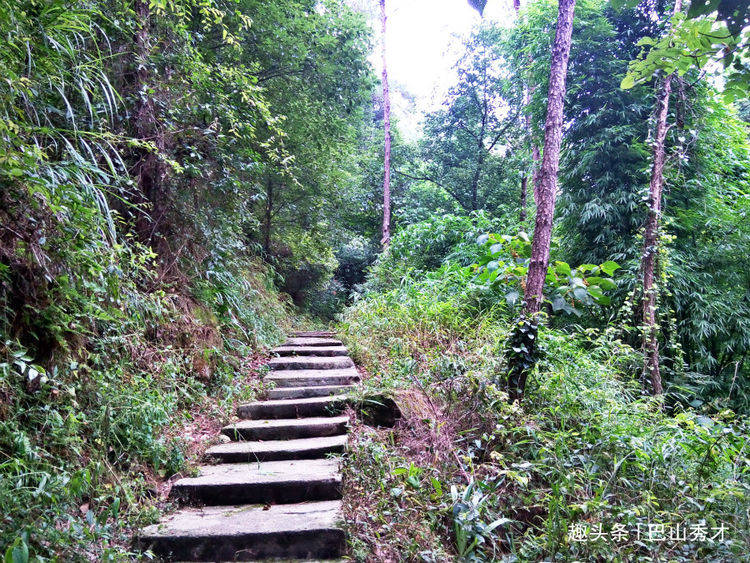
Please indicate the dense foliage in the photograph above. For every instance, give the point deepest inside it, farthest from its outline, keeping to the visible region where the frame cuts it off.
(585, 449)
(166, 169)
(587, 454)
(179, 180)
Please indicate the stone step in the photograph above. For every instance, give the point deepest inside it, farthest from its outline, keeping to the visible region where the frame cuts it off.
(310, 362)
(287, 429)
(305, 392)
(312, 377)
(313, 334)
(278, 482)
(310, 351)
(246, 533)
(275, 450)
(293, 408)
(312, 341)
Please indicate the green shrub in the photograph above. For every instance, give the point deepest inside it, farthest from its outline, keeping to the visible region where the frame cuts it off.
(585, 448)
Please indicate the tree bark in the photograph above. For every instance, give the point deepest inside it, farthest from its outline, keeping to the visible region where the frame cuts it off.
(551, 160)
(524, 336)
(649, 257)
(480, 162)
(386, 239)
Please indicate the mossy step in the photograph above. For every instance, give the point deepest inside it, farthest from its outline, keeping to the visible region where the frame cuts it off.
(313, 377)
(312, 341)
(310, 351)
(313, 334)
(306, 392)
(293, 408)
(287, 429)
(278, 482)
(274, 450)
(245, 533)
(310, 362)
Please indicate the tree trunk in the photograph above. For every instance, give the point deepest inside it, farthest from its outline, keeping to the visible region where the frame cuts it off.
(551, 160)
(386, 239)
(478, 169)
(651, 237)
(525, 332)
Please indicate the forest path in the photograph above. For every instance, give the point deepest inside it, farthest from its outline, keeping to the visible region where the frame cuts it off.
(273, 490)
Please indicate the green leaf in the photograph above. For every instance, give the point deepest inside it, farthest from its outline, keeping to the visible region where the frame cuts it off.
(609, 267)
(628, 82)
(562, 268)
(18, 552)
(580, 293)
(595, 291)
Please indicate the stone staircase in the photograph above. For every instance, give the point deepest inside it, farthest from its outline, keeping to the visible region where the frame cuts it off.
(274, 490)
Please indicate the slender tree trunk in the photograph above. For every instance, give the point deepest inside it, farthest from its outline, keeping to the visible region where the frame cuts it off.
(480, 163)
(535, 159)
(475, 181)
(387, 127)
(525, 332)
(551, 160)
(651, 237)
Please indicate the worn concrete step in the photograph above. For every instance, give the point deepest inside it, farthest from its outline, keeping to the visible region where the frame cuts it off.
(310, 362)
(305, 392)
(286, 429)
(246, 533)
(325, 351)
(312, 341)
(276, 482)
(275, 450)
(313, 334)
(293, 408)
(312, 377)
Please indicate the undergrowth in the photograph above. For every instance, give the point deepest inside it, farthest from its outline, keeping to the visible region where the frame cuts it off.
(103, 364)
(585, 469)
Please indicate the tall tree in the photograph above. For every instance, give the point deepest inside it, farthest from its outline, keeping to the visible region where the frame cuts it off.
(651, 234)
(547, 192)
(386, 239)
(467, 143)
